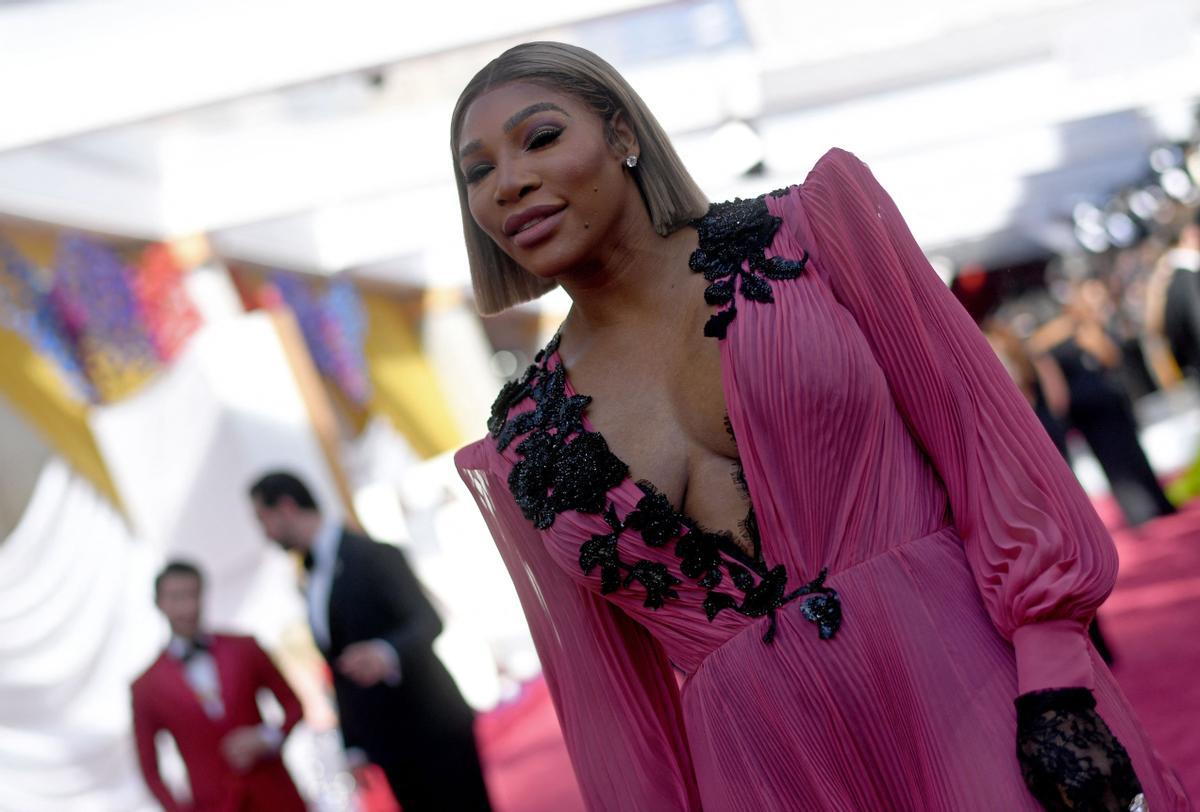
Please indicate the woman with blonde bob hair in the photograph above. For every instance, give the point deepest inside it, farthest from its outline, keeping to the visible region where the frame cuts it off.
(802, 544)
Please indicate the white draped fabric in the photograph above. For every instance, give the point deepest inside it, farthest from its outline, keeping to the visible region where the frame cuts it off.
(72, 636)
(77, 617)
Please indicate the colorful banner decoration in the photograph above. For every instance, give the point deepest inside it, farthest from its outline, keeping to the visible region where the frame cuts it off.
(334, 327)
(42, 377)
(94, 295)
(28, 309)
(167, 312)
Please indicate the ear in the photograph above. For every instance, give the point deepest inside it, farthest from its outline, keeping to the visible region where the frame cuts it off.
(624, 140)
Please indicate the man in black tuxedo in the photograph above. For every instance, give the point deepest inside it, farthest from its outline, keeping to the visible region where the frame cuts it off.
(397, 703)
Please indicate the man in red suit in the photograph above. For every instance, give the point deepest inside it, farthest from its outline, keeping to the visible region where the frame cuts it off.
(203, 690)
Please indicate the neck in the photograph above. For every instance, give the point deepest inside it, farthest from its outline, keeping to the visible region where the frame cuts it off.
(631, 282)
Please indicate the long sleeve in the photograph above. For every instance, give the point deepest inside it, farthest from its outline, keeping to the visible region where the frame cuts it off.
(270, 678)
(145, 727)
(615, 695)
(1042, 560)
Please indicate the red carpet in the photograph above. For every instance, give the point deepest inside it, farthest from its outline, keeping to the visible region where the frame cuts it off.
(1152, 622)
(525, 758)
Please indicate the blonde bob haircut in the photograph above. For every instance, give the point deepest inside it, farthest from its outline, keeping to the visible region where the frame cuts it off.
(671, 196)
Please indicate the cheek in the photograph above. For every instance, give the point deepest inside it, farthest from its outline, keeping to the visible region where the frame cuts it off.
(583, 173)
(478, 215)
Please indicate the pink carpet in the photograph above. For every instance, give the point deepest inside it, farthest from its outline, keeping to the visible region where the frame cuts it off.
(524, 757)
(1152, 622)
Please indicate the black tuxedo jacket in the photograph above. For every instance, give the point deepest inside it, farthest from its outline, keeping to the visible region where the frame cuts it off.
(375, 595)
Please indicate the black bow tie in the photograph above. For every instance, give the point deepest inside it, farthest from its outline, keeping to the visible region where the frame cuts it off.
(193, 649)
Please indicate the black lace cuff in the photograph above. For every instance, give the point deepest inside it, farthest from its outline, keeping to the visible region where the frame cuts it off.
(1034, 704)
(1069, 758)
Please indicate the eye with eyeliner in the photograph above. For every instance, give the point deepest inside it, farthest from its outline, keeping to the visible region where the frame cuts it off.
(543, 136)
(476, 173)
(538, 137)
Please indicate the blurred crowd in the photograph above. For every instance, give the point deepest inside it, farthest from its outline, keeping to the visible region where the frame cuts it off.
(1110, 329)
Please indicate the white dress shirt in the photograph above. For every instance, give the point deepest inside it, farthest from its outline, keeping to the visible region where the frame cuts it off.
(200, 671)
(320, 578)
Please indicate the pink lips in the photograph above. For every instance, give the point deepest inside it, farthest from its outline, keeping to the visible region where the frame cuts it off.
(533, 225)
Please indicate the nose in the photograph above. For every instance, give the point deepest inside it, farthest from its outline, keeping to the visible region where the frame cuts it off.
(515, 181)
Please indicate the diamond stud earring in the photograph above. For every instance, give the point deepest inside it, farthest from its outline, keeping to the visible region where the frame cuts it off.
(631, 161)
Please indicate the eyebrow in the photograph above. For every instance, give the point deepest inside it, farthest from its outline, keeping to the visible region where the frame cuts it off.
(512, 123)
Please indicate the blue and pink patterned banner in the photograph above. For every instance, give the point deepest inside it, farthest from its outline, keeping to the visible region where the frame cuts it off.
(334, 325)
(93, 292)
(27, 307)
(107, 325)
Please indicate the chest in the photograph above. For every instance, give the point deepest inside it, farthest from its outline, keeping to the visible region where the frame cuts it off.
(203, 695)
(658, 400)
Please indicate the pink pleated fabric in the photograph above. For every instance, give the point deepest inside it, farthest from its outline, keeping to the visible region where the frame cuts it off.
(881, 439)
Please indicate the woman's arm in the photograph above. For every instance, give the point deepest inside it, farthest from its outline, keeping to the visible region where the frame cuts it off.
(1042, 560)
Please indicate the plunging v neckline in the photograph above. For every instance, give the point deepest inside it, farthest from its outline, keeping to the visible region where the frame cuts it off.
(751, 558)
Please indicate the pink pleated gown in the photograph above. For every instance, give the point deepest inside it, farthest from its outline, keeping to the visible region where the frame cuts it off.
(883, 443)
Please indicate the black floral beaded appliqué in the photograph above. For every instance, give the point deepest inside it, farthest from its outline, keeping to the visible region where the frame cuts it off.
(563, 466)
(734, 234)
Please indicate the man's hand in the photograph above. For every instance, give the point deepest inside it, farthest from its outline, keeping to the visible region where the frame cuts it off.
(369, 662)
(243, 747)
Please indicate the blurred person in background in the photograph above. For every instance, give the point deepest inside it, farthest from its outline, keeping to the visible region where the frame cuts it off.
(398, 706)
(203, 690)
(1039, 378)
(1173, 328)
(1100, 408)
(1173, 304)
(785, 532)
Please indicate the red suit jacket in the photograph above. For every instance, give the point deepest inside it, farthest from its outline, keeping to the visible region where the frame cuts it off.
(163, 700)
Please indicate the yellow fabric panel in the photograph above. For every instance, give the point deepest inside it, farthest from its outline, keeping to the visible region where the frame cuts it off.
(404, 386)
(32, 384)
(36, 244)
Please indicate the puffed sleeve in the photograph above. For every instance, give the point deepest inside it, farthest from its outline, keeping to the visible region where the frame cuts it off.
(1042, 559)
(615, 695)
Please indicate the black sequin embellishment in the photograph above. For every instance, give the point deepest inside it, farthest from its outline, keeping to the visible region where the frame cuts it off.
(601, 551)
(733, 235)
(563, 467)
(824, 608)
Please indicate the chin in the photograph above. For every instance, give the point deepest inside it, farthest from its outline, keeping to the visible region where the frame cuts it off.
(553, 265)
(549, 275)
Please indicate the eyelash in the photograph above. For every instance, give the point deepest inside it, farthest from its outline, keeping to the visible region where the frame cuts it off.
(537, 141)
(543, 137)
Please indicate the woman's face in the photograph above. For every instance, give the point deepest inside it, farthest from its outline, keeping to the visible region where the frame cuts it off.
(542, 180)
